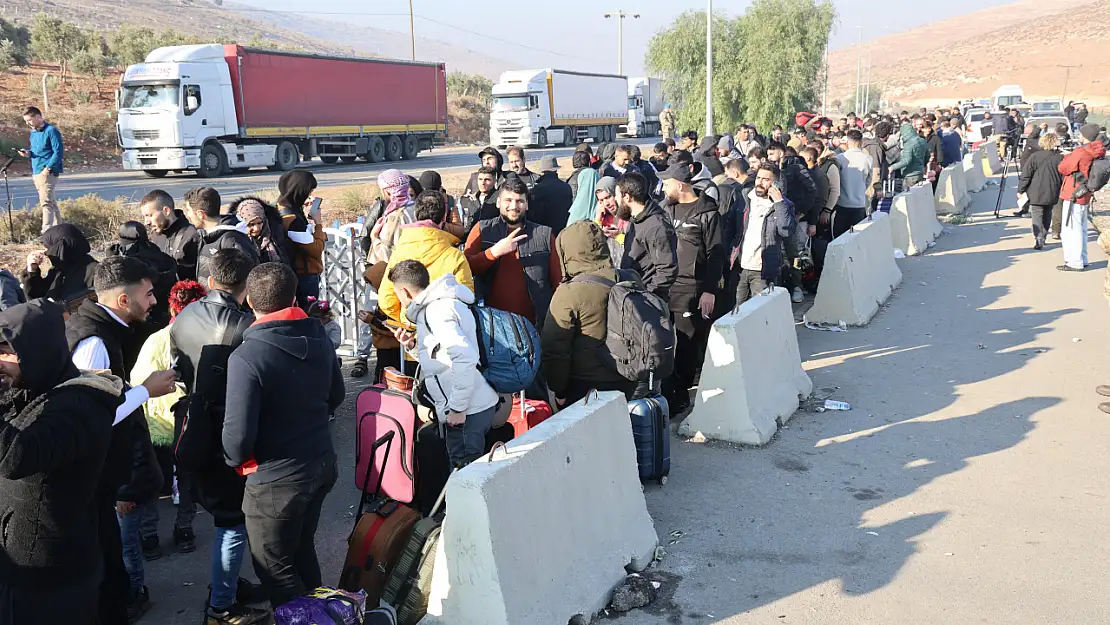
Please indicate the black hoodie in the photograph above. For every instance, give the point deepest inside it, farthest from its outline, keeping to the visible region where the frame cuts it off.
(54, 436)
(72, 268)
(230, 233)
(706, 154)
(134, 243)
(472, 184)
(285, 369)
(701, 251)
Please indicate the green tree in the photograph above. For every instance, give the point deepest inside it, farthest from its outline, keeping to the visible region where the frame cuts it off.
(765, 62)
(130, 44)
(56, 40)
(18, 40)
(94, 58)
(470, 85)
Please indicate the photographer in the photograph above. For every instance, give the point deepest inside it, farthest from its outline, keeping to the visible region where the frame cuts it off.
(46, 152)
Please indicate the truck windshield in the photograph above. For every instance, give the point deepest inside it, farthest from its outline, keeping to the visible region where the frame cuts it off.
(632, 102)
(150, 96)
(506, 103)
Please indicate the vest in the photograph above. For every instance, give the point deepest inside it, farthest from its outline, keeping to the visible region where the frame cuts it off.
(534, 252)
(92, 320)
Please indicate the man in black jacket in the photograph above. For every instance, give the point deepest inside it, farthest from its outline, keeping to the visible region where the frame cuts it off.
(202, 339)
(1040, 181)
(217, 231)
(650, 246)
(646, 169)
(283, 383)
(171, 231)
(551, 197)
(701, 261)
(52, 450)
(706, 154)
(489, 158)
(518, 166)
(734, 191)
(482, 203)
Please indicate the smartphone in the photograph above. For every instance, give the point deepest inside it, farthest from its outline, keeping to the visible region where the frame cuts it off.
(314, 209)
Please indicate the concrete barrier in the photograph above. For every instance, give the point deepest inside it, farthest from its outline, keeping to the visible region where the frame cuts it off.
(544, 530)
(913, 220)
(951, 195)
(991, 163)
(973, 171)
(752, 379)
(859, 275)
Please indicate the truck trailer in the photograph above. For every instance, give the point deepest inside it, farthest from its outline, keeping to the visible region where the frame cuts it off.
(217, 108)
(645, 103)
(535, 107)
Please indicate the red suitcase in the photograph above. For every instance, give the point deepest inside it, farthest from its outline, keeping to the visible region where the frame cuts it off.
(527, 414)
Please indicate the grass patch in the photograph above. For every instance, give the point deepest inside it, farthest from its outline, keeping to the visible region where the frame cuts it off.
(957, 219)
(97, 217)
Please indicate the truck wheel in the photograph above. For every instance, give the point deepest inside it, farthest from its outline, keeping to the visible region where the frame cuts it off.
(411, 147)
(156, 173)
(212, 161)
(348, 159)
(375, 152)
(541, 138)
(286, 157)
(569, 137)
(393, 148)
(329, 160)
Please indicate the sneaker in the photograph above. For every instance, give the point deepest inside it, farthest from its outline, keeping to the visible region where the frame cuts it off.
(1066, 268)
(235, 615)
(247, 592)
(138, 605)
(152, 549)
(797, 296)
(184, 541)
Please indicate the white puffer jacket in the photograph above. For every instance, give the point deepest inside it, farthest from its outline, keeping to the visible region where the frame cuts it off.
(447, 348)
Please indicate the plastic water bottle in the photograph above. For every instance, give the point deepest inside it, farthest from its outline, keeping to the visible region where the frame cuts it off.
(832, 404)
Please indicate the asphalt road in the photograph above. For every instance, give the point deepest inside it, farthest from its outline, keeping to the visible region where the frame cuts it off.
(134, 185)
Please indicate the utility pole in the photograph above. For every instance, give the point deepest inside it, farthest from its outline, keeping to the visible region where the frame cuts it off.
(1067, 75)
(412, 31)
(859, 67)
(825, 95)
(620, 15)
(867, 90)
(709, 70)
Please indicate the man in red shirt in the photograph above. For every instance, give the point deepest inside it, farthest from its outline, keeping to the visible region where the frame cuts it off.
(514, 262)
(1076, 197)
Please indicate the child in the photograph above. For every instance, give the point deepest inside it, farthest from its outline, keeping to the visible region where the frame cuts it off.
(447, 346)
(321, 309)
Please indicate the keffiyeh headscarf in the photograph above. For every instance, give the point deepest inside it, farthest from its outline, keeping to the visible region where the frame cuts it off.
(253, 209)
(396, 183)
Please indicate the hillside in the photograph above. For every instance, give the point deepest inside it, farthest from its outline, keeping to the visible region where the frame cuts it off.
(972, 55)
(202, 18)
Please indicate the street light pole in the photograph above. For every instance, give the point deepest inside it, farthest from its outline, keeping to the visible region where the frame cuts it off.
(867, 90)
(709, 70)
(825, 95)
(620, 15)
(1067, 75)
(859, 67)
(412, 31)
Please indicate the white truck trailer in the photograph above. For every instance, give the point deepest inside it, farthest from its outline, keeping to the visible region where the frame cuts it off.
(645, 103)
(536, 107)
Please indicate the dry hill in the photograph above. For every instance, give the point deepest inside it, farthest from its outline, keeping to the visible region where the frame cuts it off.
(1022, 43)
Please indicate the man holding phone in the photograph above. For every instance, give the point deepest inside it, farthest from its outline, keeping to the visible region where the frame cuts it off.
(218, 231)
(46, 153)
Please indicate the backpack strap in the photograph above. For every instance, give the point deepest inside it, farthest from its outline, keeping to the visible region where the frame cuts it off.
(483, 358)
(593, 279)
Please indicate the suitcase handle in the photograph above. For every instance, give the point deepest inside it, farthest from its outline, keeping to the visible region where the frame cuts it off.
(592, 392)
(496, 446)
(387, 440)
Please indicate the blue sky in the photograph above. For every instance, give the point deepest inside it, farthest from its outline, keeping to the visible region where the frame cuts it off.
(573, 34)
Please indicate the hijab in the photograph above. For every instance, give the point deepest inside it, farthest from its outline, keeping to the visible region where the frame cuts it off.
(294, 188)
(65, 245)
(584, 202)
(251, 208)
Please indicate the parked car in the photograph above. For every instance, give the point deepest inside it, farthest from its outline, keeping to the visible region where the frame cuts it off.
(979, 127)
(1047, 108)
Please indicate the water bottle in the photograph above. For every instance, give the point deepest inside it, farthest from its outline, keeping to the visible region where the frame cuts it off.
(832, 404)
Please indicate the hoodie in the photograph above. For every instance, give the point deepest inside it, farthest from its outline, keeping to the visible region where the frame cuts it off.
(72, 268)
(701, 251)
(285, 369)
(915, 153)
(54, 438)
(447, 348)
(230, 233)
(1079, 162)
(134, 243)
(706, 154)
(573, 337)
(436, 249)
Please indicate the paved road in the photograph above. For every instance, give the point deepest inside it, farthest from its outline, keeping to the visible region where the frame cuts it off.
(967, 485)
(133, 185)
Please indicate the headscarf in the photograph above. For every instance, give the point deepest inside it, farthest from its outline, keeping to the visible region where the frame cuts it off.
(584, 202)
(132, 238)
(65, 244)
(184, 293)
(251, 208)
(294, 188)
(608, 183)
(396, 184)
(36, 332)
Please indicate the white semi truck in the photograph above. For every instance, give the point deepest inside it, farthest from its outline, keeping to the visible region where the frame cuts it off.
(536, 107)
(645, 103)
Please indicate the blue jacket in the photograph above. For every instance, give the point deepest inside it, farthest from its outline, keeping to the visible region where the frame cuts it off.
(950, 146)
(46, 149)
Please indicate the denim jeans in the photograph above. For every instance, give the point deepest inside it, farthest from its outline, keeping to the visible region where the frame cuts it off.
(282, 517)
(228, 551)
(466, 442)
(132, 547)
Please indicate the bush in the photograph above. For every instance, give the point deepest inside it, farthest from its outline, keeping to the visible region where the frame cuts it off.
(467, 119)
(351, 203)
(91, 61)
(7, 55)
(97, 217)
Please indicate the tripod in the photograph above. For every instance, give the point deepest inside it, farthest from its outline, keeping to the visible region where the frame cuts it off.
(1011, 159)
(8, 193)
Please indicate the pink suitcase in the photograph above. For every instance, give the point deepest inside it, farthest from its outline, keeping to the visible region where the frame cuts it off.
(380, 410)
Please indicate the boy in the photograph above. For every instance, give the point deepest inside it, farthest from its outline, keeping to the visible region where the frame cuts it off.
(447, 346)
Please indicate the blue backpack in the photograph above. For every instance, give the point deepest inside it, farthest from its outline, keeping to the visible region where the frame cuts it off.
(508, 349)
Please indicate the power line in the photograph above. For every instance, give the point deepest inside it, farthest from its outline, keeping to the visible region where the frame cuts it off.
(505, 41)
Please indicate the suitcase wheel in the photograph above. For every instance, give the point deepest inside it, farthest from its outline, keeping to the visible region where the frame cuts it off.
(663, 480)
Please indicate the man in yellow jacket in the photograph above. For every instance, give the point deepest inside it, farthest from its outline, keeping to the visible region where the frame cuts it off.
(424, 240)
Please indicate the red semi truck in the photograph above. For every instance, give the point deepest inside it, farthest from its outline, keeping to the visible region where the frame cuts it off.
(217, 108)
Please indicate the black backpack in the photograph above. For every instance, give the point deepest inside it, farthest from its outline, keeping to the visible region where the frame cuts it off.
(639, 334)
(1100, 175)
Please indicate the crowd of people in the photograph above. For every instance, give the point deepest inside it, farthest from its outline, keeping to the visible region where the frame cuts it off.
(198, 356)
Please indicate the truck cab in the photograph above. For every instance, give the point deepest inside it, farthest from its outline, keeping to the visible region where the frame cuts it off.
(172, 105)
(1008, 96)
(520, 110)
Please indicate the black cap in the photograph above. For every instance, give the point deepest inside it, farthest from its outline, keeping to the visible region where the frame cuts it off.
(679, 172)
